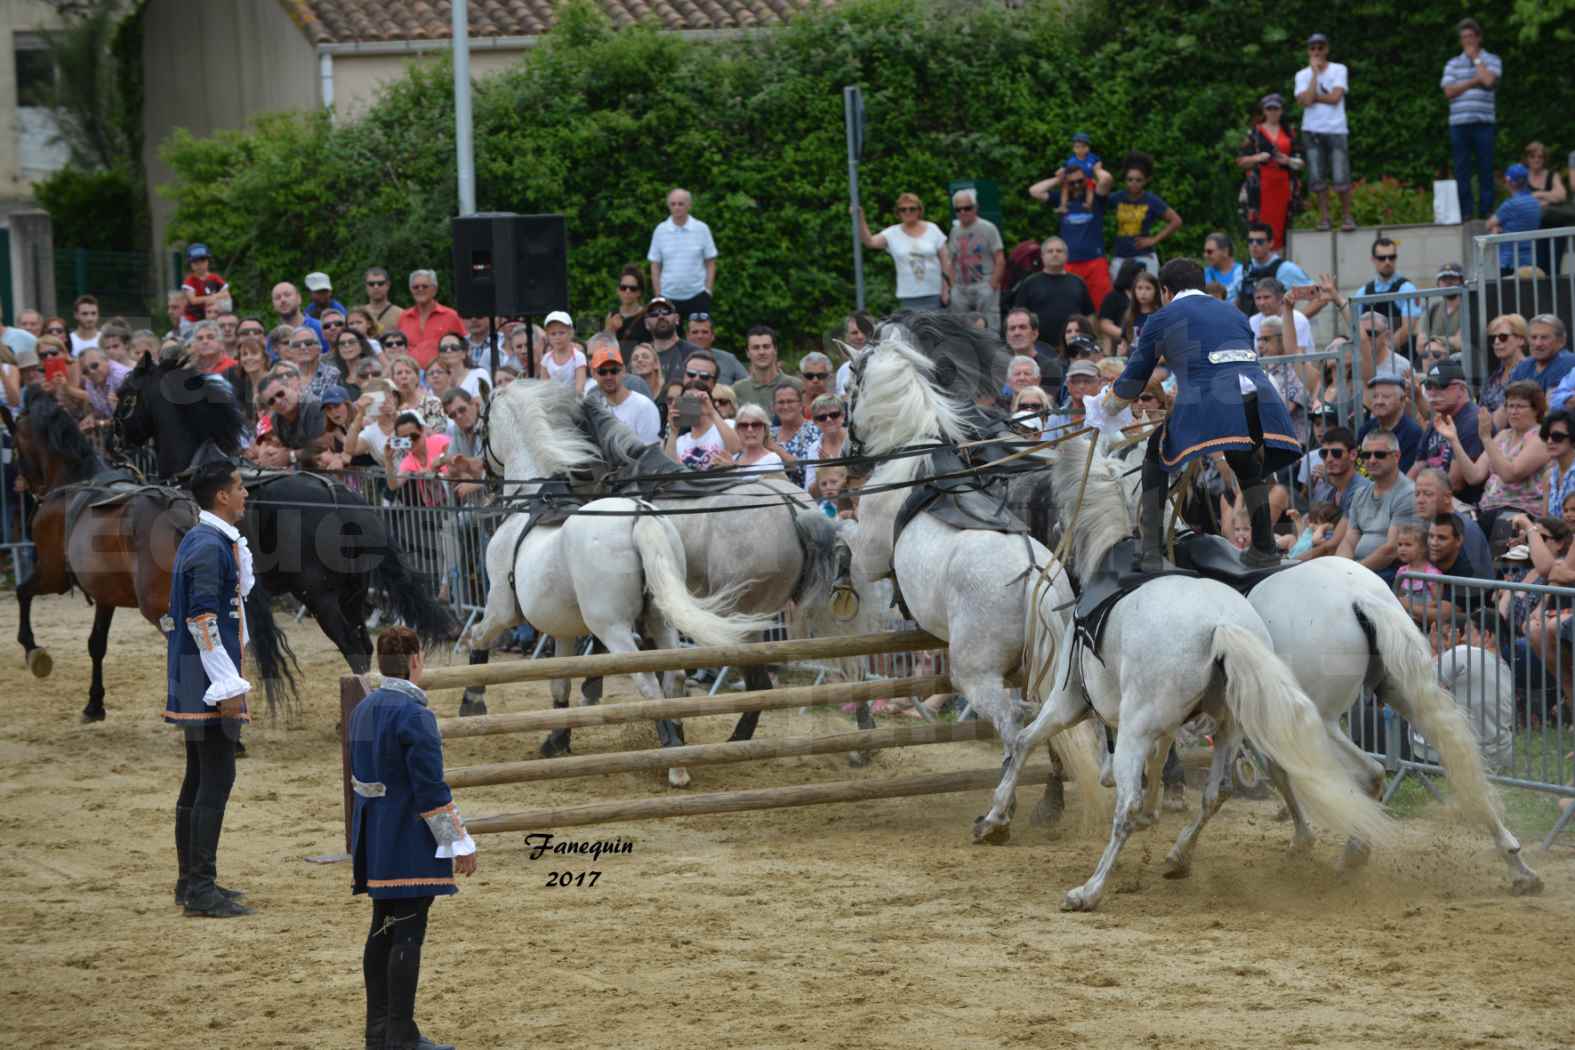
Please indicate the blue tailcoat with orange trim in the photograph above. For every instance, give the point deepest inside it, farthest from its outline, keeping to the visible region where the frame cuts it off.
(1208, 346)
(204, 584)
(394, 742)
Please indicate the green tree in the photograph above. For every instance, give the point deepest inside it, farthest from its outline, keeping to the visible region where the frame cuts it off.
(598, 124)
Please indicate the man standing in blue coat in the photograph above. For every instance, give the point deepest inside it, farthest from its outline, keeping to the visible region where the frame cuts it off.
(405, 834)
(206, 696)
(1224, 402)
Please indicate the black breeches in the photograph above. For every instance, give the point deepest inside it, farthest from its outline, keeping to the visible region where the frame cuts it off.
(210, 768)
(1246, 465)
(400, 921)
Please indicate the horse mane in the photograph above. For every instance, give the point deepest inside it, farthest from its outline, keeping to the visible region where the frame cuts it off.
(216, 415)
(897, 404)
(1105, 518)
(545, 417)
(57, 433)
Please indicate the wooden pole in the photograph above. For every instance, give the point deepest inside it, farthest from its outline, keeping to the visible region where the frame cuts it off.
(717, 754)
(741, 801)
(753, 654)
(352, 690)
(691, 707)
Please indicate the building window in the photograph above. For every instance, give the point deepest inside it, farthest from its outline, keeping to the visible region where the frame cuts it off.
(39, 146)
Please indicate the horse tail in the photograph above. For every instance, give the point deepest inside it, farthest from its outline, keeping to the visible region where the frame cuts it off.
(1410, 684)
(1280, 719)
(276, 661)
(1076, 748)
(817, 537)
(706, 620)
(413, 603)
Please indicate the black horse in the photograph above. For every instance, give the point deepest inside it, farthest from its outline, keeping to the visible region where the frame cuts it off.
(310, 535)
(99, 532)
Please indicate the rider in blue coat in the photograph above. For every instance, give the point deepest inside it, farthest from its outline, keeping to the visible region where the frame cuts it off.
(1224, 402)
(406, 835)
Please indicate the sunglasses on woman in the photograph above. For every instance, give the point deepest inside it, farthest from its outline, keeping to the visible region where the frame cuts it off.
(826, 417)
(1147, 397)
(722, 401)
(1026, 406)
(628, 288)
(747, 425)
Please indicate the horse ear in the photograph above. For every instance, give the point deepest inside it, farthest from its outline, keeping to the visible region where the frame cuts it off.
(146, 362)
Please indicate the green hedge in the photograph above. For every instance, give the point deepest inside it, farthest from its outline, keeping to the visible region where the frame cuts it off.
(598, 125)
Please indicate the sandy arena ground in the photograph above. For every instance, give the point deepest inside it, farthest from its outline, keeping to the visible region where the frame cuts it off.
(853, 926)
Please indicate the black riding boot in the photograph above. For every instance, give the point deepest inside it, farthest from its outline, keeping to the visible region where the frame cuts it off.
(1264, 552)
(203, 896)
(404, 973)
(1150, 557)
(183, 856)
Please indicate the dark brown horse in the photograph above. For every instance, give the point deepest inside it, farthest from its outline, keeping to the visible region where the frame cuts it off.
(113, 539)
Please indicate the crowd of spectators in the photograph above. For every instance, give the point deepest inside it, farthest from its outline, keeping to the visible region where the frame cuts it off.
(1441, 478)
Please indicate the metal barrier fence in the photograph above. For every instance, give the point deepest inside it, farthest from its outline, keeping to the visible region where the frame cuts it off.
(1476, 369)
(1504, 651)
(1539, 280)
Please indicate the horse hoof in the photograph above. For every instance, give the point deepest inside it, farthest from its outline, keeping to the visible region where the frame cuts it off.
(1075, 901)
(40, 663)
(859, 759)
(552, 748)
(678, 778)
(1144, 820)
(1176, 868)
(1353, 859)
(91, 715)
(1528, 885)
(987, 834)
(469, 708)
(1299, 847)
(1047, 814)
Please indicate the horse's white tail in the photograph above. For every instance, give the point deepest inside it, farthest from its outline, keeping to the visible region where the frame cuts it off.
(1410, 683)
(706, 620)
(1279, 718)
(1077, 748)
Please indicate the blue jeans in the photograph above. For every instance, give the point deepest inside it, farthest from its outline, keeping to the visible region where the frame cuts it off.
(1472, 145)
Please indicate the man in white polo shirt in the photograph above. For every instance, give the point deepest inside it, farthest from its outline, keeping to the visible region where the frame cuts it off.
(683, 258)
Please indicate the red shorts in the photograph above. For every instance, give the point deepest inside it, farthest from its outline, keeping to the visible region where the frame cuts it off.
(1096, 275)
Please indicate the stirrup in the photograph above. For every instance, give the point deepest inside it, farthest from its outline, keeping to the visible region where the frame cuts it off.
(1253, 558)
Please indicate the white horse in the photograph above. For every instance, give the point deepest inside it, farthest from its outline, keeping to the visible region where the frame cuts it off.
(995, 598)
(1170, 649)
(591, 574)
(1341, 630)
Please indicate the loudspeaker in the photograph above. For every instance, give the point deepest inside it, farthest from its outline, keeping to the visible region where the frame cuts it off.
(510, 264)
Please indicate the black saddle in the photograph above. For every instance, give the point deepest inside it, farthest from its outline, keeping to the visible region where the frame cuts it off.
(1212, 557)
(972, 501)
(1111, 581)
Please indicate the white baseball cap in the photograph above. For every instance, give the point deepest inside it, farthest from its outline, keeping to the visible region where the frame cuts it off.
(318, 281)
(558, 317)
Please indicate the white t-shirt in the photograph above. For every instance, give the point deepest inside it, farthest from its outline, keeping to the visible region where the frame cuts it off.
(1304, 336)
(471, 384)
(638, 413)
(844, 377)
(770, 463)
(691, 450)
(374, 439)
(918, 260)
(563, 373)
(1320, 117)
(78, 344)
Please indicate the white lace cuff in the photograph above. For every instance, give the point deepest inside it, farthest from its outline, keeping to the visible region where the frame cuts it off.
(224, 681)
(463, 848)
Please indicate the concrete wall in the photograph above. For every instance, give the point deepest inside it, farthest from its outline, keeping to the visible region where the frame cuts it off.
(1348, 256)
(217, 65)
(359, 78)
(16, 17)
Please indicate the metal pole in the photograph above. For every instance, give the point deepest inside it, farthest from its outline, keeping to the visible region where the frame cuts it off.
(850, 101)
(464, 152)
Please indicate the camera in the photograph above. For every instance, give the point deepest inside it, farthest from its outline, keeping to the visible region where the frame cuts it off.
(399, 444)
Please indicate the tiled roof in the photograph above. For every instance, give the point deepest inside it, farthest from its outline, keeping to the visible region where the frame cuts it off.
(356, 21)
